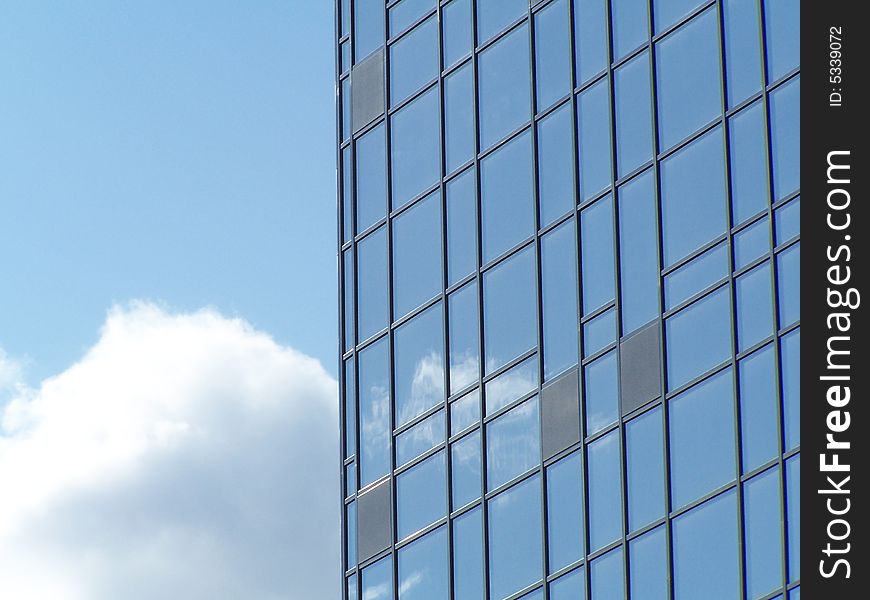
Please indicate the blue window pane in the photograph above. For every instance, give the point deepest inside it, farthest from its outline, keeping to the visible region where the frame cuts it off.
(515, 550)
(413, 61)
(569, 587)
(345, 109)
(345, 17)
(420, 438)
(536, 595)
(346, 195)
(790, 350)
(645, 466)
(763, 518)
(403, 14)
(630, 25)
(350, 409)
(590, 38)
(706, 551)
(416, 151)
(788, 265)
(513, 444)
(556, 165)
(694, 208)
(648, 557)
(371, 178)
(504, 85)
(565, 512)
(349, 323)
(495, 15)
(638, 245)
(459, 117)
(468, 555)
(368, 30)
(785, 131)
(758, 408)
(456, 23)
(511, 385)
(423, 569)
(417, 255)
(602, 395)
(461, 226)
(788, 221)
(793, 515)
(559, 294)
(373, 288)
(668, 12)
(596, 247)
(352, 593)
(607, 576)
(350, 479)
(507, 197)
(465, 462)
(634, 135)
(783, 25)
(698, 338)
(697, 275)
(377, 580)
(419, 364)
(751, 243)
(421, 495)
(605, 495)
(688, 97)
(600, 332)
(464, 338)
(552, 53)
(593, 124)
(742, 49)
(509, 309)
(754, 306)
(749, 181)
(795, 594)
(345, 56)
(465, 412)
(350, 520)
(702, 439)
(374, 408)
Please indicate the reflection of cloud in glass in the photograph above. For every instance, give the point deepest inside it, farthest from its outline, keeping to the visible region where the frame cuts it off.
(420, 438)
(511, 385)
(427, 387)
(465, 411)
(513, 443)
(464, 369)
(377, 592)
(375, 429)
(411, 581)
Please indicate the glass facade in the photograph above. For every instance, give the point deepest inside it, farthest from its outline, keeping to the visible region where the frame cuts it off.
(598, 192)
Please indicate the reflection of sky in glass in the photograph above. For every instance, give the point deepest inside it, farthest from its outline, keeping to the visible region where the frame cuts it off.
(465, 462)
(511, 385)
(377, 580)
(420, 438)
(602, 401)
(465, 412)
(513, 443)
(468, 554)
(648, 562)
(419, 365)
(421, 495)
(565, 512)
(515, 550)
(374, 399)
(607, 576)
(423, 567)
(464, 337)
(605, 497)
(569, 587)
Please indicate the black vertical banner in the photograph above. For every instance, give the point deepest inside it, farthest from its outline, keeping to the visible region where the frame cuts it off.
(834, 364)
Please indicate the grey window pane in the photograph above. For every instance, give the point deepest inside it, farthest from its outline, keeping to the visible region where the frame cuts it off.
(668, 12)
(706, 550)
(349, 409)
(607, 576)
(785, 131)
(349, 308)
(373, 286)
(405, 13)
(742, 49)
(346, 194)
(565, 521)
(645, 466)
(698, 338)
(552, 53)
(507, 196)
(688, 97)
(495, 15)
(763, 518)
(596, 247)
(374, 400)
(513, 444)
(758, 408)
(790, 350)
(421, 495)
(423, 569)
(368, 31)
(417, 255)
(630, 22)
(638, 245)
(468, 555)
(569, 587)
(459, 117)
(456, 23)
(465, 464)
(559, 299)
(420, 438)
(371, 178)
(600, 332)
(788, 265)
(511, 385)
(752, 243)
(602, 394)
(648, 557)
(699, 274)
(605, 492)
(749, 188)
(515, 552)
(350, 548)
(634, 135)
(504, 84)
(416, 149)
(788, 220)
(509, 311)
(590, 38)
(694, 208)
(461, 226)
(345, 108)
(414, 60)
(754, 306)
(464, 337)
(793, 515)
(702, 439)
(782, 25)
(465, 412)
(352, 593)
(419, 364)
(556, 164)
(593, 124)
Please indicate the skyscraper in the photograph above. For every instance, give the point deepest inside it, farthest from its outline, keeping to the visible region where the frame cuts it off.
(569, 253)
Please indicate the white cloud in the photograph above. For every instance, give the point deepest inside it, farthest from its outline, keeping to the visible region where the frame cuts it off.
(185, 456)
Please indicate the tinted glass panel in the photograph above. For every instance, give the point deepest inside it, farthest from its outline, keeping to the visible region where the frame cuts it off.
(697, 275)
(758, 408)
(754, 306)
(607, 575)
(788, 221)
(749, 189)
(468, 555)
(605, 491)
(763, 517)
(495, 15)
(465, 412)
(751, 243)
(555, 165)
(593, 124)
(371, 178)
(634, 135)
(368, 33)
(600, 332)
(464, 338)
(596, 245)
(789, 285)
(459, 117)
(552, 53)
(668, 12)
(630, 23)
(377, 580)
(413, 61)
(602, 395)
(559, 293)
(461, 226)
(422, 437)
(456, 23)
(511, 385)
(509, 313)
(419, 364)
(569, 587)
(793, 515)
(742, 49)
(638, 252)
(648, 557)
(645, 466)
(782, 25)
(421, 495)
(565, 512)
(504, 84)
(351, 534)
(417, 255)
(465, 462)
(791, 388)
(415, 148)
(590, 38)
(785, 108)
(374, 401)
(513, 444)
(423, 567)
(698, 338)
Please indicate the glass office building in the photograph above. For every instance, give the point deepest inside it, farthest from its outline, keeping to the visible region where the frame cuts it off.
(569, 274)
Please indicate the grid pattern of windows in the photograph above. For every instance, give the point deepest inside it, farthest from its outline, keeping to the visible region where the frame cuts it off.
(546, 180)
